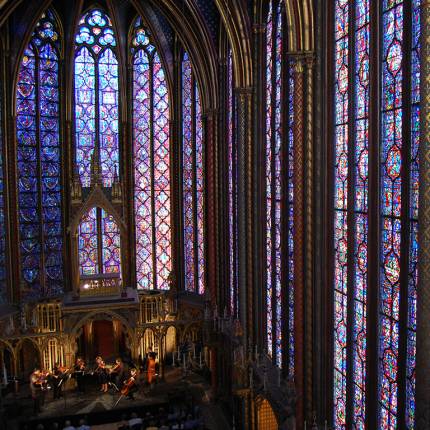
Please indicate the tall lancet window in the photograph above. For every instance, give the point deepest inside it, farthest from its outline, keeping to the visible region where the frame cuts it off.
(151, 149)
(3, 291)
(192, 181)
(383, 146)
(96, 96)
(279, 191)
(39, 162)
(99, 244)
(232, 188)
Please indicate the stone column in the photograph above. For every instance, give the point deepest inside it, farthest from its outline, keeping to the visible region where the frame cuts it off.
(244, 212)
(210, 120)
(422, 400)
(309, 240)
(298, 180)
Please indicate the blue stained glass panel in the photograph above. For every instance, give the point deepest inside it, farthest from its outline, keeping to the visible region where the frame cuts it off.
(39, 163)
(96, 112)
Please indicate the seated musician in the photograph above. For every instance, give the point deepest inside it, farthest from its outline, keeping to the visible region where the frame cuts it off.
(117, 373)
(79, 374)
(37, 381)
(130, 385)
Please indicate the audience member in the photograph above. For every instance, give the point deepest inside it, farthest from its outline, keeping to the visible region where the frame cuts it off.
(68, 426)
(83, 425)
(135, 422)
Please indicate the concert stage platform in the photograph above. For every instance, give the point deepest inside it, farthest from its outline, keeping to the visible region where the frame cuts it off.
(100, 408)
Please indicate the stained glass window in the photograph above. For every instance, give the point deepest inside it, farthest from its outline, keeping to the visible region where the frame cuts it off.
(96, 96)
(99, 243)
(3, 290)
(39, 162)
(279, 191)
(397, 227)
(151, 163)
(192, 181)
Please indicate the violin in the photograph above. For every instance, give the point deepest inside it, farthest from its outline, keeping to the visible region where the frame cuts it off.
(115, 368)
(41, 381)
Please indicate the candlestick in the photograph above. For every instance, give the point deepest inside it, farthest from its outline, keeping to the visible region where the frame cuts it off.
(4, 374)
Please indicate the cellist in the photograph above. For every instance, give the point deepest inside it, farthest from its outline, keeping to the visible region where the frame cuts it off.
(129, 387)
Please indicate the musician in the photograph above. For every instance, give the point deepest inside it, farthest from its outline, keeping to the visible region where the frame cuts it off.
(102, 374)
(57, 375)
(37, 387)
(151, 368)
(130, 385)
(79, 374)
(117, 373)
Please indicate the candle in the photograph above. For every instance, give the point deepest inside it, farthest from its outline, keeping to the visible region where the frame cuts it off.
(256, 353)
(184, 362)
(4, 374)
(305, 425)
(264, 380)
(325, 425)
(200, 359)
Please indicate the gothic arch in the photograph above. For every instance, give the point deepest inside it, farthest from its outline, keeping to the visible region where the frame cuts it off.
(33, 341)
(9, 347)
(194, 36)
(97, 198)
(24, 42)
(90, 316)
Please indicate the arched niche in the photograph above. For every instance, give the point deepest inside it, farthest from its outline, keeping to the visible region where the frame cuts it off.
(97, 242)
(28, 357)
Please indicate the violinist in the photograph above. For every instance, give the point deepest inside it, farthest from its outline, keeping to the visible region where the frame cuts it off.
(57, 375)
(37, 387)
(117, 373)
(79, 374)
(102, 374)
(130, 387)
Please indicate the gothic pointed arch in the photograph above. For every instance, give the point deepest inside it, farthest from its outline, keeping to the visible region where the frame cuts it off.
(39, 160)
(152, 159)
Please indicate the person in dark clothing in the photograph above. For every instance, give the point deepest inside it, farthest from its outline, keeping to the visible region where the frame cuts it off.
(57, 384)
(80, 374)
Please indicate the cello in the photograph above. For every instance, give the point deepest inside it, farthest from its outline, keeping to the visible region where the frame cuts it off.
(128, 386)
(125, 390)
